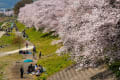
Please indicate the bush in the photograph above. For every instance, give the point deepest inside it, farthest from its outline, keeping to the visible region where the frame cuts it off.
(118, 74)
(18, 40)
(115, 68)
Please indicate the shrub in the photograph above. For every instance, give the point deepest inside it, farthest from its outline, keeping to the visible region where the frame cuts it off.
(18, 41)
(115, 68)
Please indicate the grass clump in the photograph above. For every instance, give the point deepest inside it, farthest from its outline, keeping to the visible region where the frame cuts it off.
(1, 23)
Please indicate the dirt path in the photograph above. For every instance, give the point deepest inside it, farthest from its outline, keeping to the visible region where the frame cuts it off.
(1, 33)
(14, 71)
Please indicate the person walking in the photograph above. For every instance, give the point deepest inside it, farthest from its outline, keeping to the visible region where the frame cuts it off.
(40, 54)
(26, 45)
(23, 33)
(34, 51)
(34, 55)
(21, 72)
(16, 29)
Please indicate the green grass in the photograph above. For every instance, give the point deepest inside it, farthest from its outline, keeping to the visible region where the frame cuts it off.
(8, 40)
(1, 23)
(42, 41)
(54, 64)
(20, 26)
(6, 61)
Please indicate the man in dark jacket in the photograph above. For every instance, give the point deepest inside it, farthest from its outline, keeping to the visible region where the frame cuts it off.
(40, 54)
(34, 51)
(21, 72)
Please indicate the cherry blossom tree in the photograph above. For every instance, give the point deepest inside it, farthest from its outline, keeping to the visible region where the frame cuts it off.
(89, 29)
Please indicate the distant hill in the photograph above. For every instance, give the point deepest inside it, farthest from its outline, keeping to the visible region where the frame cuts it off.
(8, 3)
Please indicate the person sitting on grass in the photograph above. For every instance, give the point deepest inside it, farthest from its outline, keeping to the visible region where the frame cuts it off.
(38, 73)
(36, 67)
(30, 69)
(40, 68)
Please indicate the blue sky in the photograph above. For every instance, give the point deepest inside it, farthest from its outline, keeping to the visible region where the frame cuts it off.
(7, 3)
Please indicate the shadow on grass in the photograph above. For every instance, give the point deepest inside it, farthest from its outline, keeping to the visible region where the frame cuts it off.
(104, 75)
(49, 35)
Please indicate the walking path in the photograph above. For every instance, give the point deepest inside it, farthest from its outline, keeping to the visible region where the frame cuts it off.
(15, 51)
(14, 70)
(1, 33)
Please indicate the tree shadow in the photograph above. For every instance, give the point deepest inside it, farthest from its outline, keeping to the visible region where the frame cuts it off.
(49, 35)
(104, 75)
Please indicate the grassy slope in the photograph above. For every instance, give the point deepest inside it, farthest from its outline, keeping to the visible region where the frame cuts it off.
(20, 26)
(54, 64)
(42, 41)
(8, 40)
(6, 61)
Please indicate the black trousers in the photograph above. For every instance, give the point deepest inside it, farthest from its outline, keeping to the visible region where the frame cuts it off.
(21, 75)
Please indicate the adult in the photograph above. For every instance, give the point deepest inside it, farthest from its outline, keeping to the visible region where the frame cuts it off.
(40, 68)
(23, 32)
(30, 68)
(16, 29)
(36, 67)
(40, 54)
(34, 51)
(26, 45)
(21, 72)
(38, 73)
